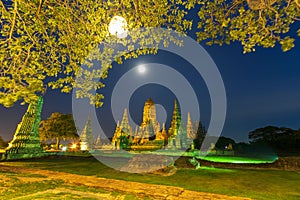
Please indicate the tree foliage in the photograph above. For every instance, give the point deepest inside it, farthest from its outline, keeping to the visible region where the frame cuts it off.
(252, 23)
(281, 139)
(44, 42)
(3, 144)
(225, 143)
(51, 38)
(57, 127)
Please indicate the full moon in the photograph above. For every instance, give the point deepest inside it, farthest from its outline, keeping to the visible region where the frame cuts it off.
(141, 69)
(117, 26)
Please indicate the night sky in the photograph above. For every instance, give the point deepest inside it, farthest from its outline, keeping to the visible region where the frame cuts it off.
(262, 88)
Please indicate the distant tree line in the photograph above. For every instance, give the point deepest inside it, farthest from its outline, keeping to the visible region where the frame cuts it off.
(223, 143)
(282, 140)
(266, 140)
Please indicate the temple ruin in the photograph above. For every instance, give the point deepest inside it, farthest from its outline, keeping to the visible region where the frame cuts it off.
(26, 140)
(150, 136)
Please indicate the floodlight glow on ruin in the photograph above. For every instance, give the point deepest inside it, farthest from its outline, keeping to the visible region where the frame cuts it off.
(83, 147)
(64, 148)
(118, 27)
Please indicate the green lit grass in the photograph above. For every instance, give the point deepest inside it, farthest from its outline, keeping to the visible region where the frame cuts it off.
(212, 158)
(253, 183)
(236, 159)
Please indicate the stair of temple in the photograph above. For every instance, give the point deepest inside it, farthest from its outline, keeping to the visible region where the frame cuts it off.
(26, 140)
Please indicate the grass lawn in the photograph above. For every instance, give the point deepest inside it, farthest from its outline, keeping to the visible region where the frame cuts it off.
(236, 159)
(29, 186)
(253, 183)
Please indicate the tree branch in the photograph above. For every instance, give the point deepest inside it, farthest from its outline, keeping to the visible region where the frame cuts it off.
(39, 8)
(14, 20)
(3, 6)
(297, 3)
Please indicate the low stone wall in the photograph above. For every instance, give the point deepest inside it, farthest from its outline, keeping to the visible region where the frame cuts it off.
(147, 163)
(283, 163)
(288, 163)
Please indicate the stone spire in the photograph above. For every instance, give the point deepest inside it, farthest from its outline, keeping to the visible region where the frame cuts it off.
(26, 140)
(164, 132)
(123, 132)
(190, 128)
(136, 130)
(86, 136)
(117, 134)
(125, 126)
(125, 121)
(98, 140)
(181, 137)
(176, 121)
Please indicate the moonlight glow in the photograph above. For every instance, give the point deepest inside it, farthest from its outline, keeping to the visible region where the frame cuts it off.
(117, 26)
(141, 69)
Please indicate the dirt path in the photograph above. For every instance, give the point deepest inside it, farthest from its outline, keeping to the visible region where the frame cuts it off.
(140, 189)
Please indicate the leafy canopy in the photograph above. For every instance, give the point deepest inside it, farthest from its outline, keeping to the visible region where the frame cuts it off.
(58, 127)
(281, 139)
(44, 42)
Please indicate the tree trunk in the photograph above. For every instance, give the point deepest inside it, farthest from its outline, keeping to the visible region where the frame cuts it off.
(57, 143)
